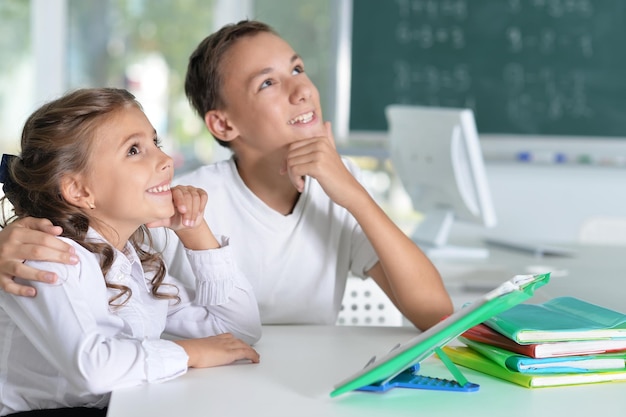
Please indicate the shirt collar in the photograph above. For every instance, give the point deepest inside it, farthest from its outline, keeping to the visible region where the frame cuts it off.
(126, 262)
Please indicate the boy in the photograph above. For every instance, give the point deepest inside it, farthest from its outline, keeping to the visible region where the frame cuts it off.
(298, 218)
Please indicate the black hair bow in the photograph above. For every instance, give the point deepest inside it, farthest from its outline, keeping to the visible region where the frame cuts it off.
(5, 176)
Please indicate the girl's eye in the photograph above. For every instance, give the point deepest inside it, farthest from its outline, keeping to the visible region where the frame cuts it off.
(298, 70)
(157, 142)
(134, 150)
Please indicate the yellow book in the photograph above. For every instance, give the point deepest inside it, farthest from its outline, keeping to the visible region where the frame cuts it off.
(469, 358)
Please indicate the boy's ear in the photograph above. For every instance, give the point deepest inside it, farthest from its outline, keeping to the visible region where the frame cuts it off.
(220, 126)
(76, 193)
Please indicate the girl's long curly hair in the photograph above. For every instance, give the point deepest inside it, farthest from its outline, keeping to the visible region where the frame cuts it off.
(57, 140)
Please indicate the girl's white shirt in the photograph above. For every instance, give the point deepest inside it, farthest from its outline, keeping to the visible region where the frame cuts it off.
(69, 347)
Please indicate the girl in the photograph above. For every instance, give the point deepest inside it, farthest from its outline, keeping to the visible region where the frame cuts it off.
(92, 164)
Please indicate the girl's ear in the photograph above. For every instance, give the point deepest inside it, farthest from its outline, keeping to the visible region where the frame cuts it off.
(76, 193)
(220, 126)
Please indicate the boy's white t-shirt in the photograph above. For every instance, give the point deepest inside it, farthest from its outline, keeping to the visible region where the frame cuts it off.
(297, 264)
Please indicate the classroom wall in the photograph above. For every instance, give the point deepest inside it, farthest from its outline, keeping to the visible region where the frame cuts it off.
(540, 200)
(550, 203)
(546, 200)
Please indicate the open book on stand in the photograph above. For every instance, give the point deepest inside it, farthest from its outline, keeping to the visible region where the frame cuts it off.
(398, 366)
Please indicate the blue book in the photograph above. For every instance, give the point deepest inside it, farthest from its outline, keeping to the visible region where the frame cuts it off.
(557, 320)
(565, 364)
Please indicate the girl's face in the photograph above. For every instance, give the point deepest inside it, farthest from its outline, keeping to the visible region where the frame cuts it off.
(129, 175)
(268, 96)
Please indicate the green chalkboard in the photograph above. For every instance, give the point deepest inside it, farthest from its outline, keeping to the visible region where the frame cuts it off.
(548, 67)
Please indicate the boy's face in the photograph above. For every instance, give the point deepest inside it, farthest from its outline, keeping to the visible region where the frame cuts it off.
(268, 97)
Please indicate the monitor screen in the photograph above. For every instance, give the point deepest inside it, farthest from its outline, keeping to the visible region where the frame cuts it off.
(437, 156)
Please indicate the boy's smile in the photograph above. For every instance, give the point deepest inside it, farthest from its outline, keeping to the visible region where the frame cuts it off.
(303, 118)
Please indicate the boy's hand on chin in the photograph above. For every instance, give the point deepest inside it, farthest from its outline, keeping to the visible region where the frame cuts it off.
(318, 158)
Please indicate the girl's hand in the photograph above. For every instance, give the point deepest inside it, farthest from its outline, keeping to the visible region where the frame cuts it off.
(189, 203)
(217, 350)
(188, 220)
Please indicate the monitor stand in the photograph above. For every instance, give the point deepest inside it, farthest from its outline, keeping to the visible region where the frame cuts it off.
(431, 235)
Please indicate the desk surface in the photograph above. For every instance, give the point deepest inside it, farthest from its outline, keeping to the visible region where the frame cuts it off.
(594, 273)
(300, 365)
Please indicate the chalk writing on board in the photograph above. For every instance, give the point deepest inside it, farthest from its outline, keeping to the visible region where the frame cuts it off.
(536, 66)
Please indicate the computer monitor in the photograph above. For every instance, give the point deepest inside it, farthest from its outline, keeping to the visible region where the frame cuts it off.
(437, 156)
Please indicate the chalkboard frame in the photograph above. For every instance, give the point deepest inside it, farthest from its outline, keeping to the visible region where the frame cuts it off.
(343, 94)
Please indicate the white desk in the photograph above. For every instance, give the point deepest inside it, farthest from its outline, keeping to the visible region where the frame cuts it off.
(300, 365)
(596, 274)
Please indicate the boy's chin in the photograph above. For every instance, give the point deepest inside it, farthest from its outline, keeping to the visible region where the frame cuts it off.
(313, 132)
(318, 129)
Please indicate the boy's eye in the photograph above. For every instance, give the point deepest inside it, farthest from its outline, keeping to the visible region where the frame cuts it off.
(266, 84)
(298, 70)
(157, 142)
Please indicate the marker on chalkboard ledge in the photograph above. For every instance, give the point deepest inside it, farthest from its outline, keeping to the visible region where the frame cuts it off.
(613, 161)
(543, 157)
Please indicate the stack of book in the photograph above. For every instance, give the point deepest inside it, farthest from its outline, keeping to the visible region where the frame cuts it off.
(564, 341)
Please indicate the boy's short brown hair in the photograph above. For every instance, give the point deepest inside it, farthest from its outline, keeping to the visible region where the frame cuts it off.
(204, 78)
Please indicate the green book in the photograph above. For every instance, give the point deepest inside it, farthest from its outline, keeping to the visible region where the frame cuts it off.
(557, 320)
(564, 364)
(385, 367)
(469, 358)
